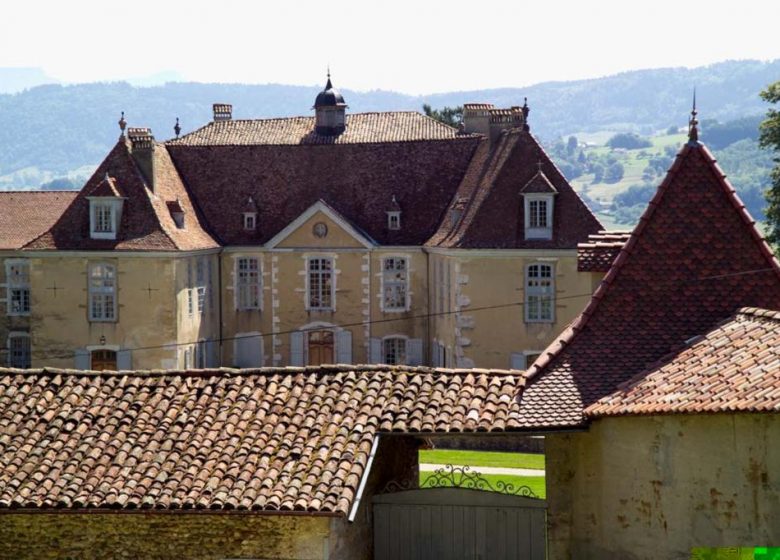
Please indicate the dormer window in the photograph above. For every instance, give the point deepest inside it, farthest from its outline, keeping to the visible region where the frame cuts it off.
(104, 216)
(250, 221)
(538, 216)
(393, 220)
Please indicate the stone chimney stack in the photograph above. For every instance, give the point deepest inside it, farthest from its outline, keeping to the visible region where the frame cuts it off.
(142, 144)
(222, 112)
(484, 118)
(476, 118)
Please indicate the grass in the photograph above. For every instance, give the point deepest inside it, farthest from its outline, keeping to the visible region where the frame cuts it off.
(482, 458)
(535, 483)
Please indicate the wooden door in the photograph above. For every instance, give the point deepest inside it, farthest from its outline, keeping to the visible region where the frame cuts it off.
(103, 359)
(320, 348)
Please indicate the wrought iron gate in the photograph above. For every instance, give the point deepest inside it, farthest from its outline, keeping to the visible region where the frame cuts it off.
(459, 523)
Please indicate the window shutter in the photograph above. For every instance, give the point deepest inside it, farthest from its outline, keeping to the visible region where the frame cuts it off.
(82, 359)
(414, 352)
(211, 354)
(517, 360)
(375, 351)
(296, 349)
(249, 350)
(344, 347)
(124, 360)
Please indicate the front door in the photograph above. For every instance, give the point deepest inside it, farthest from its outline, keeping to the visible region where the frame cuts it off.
(320, 348)
(103, 359)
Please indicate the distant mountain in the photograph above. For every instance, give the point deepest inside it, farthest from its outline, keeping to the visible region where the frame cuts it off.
(52, 130)
(13, 80)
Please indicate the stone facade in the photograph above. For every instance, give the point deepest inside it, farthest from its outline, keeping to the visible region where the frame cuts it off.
(641, 488)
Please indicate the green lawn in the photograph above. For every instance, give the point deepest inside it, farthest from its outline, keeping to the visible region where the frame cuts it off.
(482, 458)
(535, 483)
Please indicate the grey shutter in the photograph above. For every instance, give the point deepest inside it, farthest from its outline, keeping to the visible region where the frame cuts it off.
(82, 359)
(517, 360)
(375, 351)
(414, 352)
(344, 347)
(249, 350)
(296, 349)
(211, 354)
(124, 360)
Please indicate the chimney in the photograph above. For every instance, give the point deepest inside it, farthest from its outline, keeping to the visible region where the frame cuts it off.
(476, 118)
(222, 112)
(142, 144)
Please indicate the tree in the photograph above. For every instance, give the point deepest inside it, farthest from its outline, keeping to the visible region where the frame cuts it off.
(614, 173)
(628, 141)
(598, 172)
(571, 145)
(769, 137)
(452, 116)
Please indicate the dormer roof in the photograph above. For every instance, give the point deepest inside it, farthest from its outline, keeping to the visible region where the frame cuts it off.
(108, 187)
(539, 184)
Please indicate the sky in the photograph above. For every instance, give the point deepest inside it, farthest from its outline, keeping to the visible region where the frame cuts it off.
(407, 46)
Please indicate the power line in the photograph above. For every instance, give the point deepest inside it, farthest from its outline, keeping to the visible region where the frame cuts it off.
(70, 354)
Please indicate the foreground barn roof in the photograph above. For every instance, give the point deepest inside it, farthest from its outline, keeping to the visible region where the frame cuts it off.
(693, 260)
(262, 440)
(24, 215)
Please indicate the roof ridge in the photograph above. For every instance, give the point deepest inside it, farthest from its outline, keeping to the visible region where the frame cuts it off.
(758, 313)
(39, 191)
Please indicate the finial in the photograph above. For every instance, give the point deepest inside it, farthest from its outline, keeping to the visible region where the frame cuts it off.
(328, 85)
(122, 124)
(107, 178)
(539, 165)
(693, 123)
(525, 110)
(177, 128)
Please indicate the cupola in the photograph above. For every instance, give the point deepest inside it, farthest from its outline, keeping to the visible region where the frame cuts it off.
(330, 111)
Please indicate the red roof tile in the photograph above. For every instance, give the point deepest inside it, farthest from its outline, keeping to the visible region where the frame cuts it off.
(24, 215)
(270, 439)
(733, 367)
(494, 215)
(600, 250)
(694, 258)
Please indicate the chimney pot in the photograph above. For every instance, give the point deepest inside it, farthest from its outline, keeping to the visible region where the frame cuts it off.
(222, 112)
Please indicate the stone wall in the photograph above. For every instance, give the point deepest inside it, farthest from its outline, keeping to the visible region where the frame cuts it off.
(656, 487)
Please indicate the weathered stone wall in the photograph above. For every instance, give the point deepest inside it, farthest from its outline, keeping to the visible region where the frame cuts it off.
(655, 487)
(160, 536)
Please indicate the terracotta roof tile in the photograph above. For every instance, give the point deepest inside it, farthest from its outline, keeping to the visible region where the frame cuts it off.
(692, 261)
(268, 439)
(24, 215)
(600, 250)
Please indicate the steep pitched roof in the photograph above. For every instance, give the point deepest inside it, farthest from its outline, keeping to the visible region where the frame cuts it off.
(494, 217)
(146, 223)
(269, 439)
(694, 258)
(600, 250)
(24, 215)
(733, 367)
(362, 128)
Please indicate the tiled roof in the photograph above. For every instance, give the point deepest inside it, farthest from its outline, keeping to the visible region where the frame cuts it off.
(733, 367)
(539, 183)
(494, 216)
(362, 128)
(146, 223)
(269, 439)
(692, 261)
(24, 215)
(600, 250)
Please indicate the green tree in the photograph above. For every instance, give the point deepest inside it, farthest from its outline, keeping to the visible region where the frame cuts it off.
(614, 173)
(769, 137)
(452, 116)
(628, 141)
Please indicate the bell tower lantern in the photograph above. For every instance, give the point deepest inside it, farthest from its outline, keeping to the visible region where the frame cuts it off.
(330, 111)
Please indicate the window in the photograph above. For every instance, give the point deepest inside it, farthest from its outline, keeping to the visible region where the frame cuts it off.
(538, 216)
(248, 283)
(393, 220)
(190, 299)
(102, 292)
(394, 349)
(18, 292)
(103, 360)
(250, 220)
(539, 294)
(200, 278)
(104, 217)
(320, 293)
(395, 283)
(523, 360)
(19, 355)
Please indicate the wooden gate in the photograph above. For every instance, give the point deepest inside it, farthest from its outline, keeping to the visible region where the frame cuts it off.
(458, 524)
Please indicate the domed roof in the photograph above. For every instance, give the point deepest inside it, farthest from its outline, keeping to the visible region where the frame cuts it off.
(329, 97)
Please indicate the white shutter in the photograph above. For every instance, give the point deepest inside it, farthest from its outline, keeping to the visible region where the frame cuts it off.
(517, 360)
(82, 359)
(375, 351)
(124, 360)
(296, 349)
(248, 350)
(414, 352)
(344, 347)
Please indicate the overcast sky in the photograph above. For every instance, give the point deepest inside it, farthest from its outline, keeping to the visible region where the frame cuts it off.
(408, 46)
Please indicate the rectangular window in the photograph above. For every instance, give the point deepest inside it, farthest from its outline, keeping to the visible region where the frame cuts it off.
(538, 213)
(394, 220)
(103, 217)
(102, 292)
(18, 291)
(248, 283)
(394, 350)
(395, 283)
(320, 294)
(19, 355)
(250, 221)
(539, 294)
(190, 298)
(200, 279)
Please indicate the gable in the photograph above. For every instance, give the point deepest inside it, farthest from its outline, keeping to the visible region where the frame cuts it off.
(320, 226)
